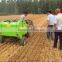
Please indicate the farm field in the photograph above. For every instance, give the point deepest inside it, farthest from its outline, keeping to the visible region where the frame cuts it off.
(38, 48)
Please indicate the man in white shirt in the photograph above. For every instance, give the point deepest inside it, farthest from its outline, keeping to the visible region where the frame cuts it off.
(58, 28)
(24, 15)
(23, 18)
(51, 19)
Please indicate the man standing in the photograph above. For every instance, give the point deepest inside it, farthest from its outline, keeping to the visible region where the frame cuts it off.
(24, 15)
(58, 28)
(51, 19)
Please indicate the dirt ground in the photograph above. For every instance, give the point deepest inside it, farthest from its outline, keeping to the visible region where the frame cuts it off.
(38, 48)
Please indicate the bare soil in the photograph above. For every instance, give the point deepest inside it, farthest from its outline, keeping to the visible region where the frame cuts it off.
(38, 48)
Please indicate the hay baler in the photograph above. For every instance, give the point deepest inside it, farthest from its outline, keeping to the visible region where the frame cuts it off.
(16, 29)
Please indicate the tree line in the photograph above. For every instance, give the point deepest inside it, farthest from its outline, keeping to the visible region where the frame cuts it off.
(17, 7)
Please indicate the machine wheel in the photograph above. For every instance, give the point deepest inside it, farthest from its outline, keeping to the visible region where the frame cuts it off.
(1, 39)
(22, 41)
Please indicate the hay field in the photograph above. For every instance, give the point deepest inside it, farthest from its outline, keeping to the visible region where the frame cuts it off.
(38, 48)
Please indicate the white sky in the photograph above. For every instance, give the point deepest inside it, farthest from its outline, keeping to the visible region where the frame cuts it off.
(6, 0)
(0, 0)
(32, 0)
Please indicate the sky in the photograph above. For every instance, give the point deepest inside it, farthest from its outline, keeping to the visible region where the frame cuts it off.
(6, 0)
(0, 0)
(32, 0)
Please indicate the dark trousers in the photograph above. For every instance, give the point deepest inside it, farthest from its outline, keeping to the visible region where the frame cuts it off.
(50, 32)
(58, 35)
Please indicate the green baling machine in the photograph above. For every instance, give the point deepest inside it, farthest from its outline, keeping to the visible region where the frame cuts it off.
(16, 29)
